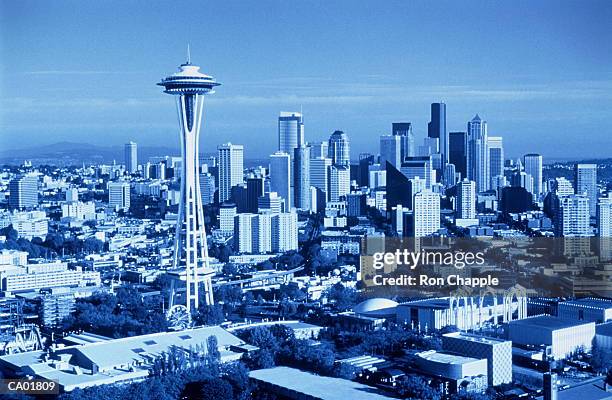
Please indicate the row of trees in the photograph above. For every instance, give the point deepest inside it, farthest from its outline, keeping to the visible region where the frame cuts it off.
(54, 244)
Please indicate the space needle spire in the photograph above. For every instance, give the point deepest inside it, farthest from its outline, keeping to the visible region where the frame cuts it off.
(189, 86)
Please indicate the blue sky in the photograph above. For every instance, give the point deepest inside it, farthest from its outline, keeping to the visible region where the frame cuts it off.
(540, 72)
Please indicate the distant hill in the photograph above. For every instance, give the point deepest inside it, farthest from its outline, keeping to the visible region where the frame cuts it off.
(69, 153)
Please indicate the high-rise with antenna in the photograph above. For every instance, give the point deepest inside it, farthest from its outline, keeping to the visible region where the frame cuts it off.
(189, 85)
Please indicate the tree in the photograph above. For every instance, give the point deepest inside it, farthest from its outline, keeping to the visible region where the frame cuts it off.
(10, 233)
(415, 387)
(262, 358)
(209, 315)
(473, 396)
(237, 374)
(601, 359)
(263, 338)
(212, 348)
(216, 389)
(93, 245)
(301, 354)
(230, 269)
(343, 297)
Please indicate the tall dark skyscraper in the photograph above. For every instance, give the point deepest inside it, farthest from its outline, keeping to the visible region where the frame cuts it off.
(365, 160)
(437, 129)
(404, 129)
(255, 189)
(399, 189)
(301, 173)
(457, 152)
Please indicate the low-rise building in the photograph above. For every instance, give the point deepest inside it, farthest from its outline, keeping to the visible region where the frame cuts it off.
(586, 309)
(101, 362)
(561, 337)
(462, 373)
(498, 353)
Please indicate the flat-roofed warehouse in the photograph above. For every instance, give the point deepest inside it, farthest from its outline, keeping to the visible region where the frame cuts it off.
(561, 337)
(587, 309)
(100, 361)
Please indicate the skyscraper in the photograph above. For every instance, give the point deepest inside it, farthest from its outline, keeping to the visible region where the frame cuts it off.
(437, 129)
(319, 174)
(450, 175)
(478, 156)
(572, 223)
(338, 149)
(189, 85)
(426, 213)
(398, 188)
(339, 182)
(23, 192)
(290, 131)
(270, 203)
(365, 161)
(245, 229)
(391, 150)
(207, 188)
(119, 195)
(301, 173)
(404, 131)
(585, 181)
(255, 189)
(319, 149)
(604, 227)
(131, 157)
(495, 146)
(227, 213)
(420, 167)
(280, 176)
(285, 232)
(559, 187)
(572, 218)
(604, 216)
(457, 152)
(231, 168)
(466, 199)
(533, 167)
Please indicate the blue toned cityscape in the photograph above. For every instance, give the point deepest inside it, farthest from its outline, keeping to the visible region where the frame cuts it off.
(287, 201)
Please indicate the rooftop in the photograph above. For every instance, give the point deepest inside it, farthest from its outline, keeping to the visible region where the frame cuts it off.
(590, 302)
(475, 338)
(379, 305)
(123, 351)
(445, 358)
(316, 386)
(548, 322)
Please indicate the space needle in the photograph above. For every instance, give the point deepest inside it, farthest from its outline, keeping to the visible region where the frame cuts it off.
(189, 85)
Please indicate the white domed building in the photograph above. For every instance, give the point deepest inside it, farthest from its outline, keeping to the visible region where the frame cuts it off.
(377, 307)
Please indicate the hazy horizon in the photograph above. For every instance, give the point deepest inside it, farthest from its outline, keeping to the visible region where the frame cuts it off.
(83, 72)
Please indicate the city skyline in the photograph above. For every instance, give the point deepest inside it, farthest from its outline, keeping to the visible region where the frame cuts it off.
(515, 83)
(390, 202)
